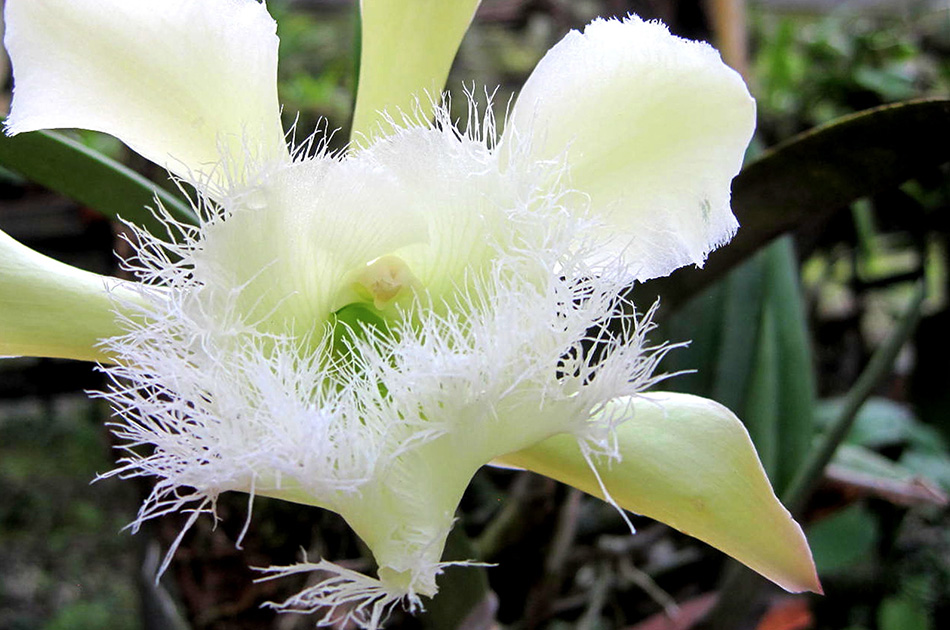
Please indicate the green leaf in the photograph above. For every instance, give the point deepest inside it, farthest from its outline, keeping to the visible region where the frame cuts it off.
(68, 167)
(796, 385)
(858, 459)
(863, 470)
(880, 422)
(760, 413)
(742, 307)
(902, 613)
(812, 175)
(810, 473)
(844, 539)
(698, 324)
(934, 466)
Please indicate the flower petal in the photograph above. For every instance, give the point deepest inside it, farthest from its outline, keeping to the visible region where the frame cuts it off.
(294, 243)
(455, 188)
(689, 462)
(654, 128)
(407, 50)
(50, 309)
(183, 83)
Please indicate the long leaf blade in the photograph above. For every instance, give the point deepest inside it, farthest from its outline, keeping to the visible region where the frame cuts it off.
(63, 165)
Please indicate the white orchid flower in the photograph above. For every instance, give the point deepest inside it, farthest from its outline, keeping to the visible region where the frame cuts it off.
(363, 331)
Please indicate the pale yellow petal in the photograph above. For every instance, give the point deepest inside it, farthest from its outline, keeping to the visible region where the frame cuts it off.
(407, 50)
(50, 309)
(689, 462)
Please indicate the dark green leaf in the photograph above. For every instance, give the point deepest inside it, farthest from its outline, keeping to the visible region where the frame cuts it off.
(761, 411)
(932, 466)
(742, 310)
(795, 372)
(68, 167)
(843, 540)
(880, 422)
(699, 324)
(902, 613)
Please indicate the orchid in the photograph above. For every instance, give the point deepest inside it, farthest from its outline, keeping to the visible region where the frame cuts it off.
(362, 331)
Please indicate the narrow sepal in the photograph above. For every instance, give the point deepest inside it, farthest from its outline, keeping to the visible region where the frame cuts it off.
(50, 309)
(406, 52)
(688, 462)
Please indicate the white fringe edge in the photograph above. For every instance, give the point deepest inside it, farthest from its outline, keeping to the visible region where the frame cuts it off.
(344, 596)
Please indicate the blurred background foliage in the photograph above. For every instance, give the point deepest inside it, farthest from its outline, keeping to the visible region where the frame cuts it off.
(834, 332)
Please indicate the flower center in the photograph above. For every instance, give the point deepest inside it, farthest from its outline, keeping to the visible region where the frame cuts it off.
(384, 280)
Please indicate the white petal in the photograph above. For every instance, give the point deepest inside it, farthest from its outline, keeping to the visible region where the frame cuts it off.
(454, 187)
(654, 128)
(295, 243)
(176, 80)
